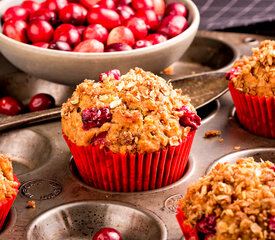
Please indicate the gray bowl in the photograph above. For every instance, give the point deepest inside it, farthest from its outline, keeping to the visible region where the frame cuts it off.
(71, 68)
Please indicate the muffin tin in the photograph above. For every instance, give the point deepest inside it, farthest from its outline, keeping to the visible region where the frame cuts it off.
(66, 208)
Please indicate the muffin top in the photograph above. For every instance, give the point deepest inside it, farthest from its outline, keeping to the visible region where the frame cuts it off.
(135, 113)
(7, 183)
(255, 75)
(233, 201)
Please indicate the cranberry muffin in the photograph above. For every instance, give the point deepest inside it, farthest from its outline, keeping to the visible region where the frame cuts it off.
(233, 201)
(137, 123)
(252, 86)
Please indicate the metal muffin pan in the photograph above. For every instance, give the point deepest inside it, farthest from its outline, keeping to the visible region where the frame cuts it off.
(48, 175)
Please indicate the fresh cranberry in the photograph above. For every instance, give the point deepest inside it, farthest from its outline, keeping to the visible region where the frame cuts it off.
(207, 225)
(89, 3)
(149, 17)
(176, 9)
(31, 5)
(114, 72)
(159, 7)
(73, 13)
(106, 17)
(44, 14)
(89, 45)
(100, 139)
(39, 31)
(43, 4)
(142, 4)
(156, 38)
(67, 33)
(93, 117)
(121, 34)
(10, 106)
(142, 43)
(123, 2)
(107, 234)
(138, 27)
(16, 13)
(118, 47)
(16, 29)
(232, 73)
(56, 5)
(41, 101)
(189, 119)
(96, 31)
(41, 44)
(110, 4)
(81, 30)
(273, 168)
(271, 223)
(60, 45)
(125, 12)
(172, 26)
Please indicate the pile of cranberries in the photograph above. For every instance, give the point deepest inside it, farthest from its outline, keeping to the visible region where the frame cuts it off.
(11, 106)
(94, 25)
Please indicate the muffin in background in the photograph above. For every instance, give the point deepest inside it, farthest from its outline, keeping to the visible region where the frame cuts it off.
(252, 87)
(129, 133)
(233, 201)
(8, 187)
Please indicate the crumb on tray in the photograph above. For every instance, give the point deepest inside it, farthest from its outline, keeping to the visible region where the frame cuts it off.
(212, 133)
(31, 204)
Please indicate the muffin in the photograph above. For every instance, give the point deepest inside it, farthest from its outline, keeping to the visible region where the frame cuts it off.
(129, 133)
(233, 201)
(252, 86)
(8, 187)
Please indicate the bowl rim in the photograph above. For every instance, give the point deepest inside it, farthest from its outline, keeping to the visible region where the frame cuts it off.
(135, 52)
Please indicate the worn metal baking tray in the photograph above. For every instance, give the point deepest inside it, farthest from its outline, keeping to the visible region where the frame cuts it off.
(47, 173)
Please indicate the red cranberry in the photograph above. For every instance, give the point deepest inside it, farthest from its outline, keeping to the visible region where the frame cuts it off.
(106, 17)
(156, 38)
(114, 72)
(100, 139)
(273, 168)
(89, 3)
(189, 119)
(44, 14)
(138, 27)
(176, 9)
(73, 13)
(67, 33)
(39, 31)
(172, 26)
(16, 29)
(123, 2)
(31, 5)
(41, 101)
(81, 30)
(149, 17)
(60, 45)
(271, 223)
(207, 225)
(142, 4)
(93, 117)
(232, 73)
(125, 12)
(159, 7)
(107, 234)
(16, 13)
(10, 106)
(56, 5)
(142, 43)
(89, 45)
(118, 47)
(121, 34)
(41, 44)
(110, 4)
(96, 31)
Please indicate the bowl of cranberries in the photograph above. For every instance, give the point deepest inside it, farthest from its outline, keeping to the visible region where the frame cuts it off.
(67, 41)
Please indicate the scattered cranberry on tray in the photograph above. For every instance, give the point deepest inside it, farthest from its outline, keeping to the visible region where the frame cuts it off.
(120, 25)
(41, 101)
(10, 106)
(107, 234)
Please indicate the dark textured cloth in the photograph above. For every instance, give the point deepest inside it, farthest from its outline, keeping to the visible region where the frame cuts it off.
(255, 16)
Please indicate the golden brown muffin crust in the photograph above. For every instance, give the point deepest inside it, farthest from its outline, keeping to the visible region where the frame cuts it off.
(145, 113)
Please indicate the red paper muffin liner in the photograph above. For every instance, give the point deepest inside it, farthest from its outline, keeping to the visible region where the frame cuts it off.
(6, 204)
(101, 168)
(189, 233)
(256, 114)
